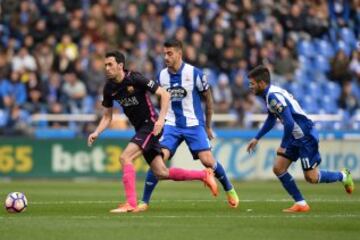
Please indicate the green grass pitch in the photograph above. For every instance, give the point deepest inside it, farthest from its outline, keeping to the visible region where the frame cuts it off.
(80, 210)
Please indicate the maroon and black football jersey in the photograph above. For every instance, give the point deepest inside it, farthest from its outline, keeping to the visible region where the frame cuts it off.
(132, 95)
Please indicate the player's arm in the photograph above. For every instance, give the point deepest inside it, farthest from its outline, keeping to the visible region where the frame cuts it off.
(106, 118)
(289, 123)
(203, 87)
(153, 87)
(103, 124)
(268, 125)
(209, 109)
(164, 105)
(278, 104)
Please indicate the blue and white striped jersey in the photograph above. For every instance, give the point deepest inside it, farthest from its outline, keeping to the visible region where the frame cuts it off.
(281, 104)
(185, 88)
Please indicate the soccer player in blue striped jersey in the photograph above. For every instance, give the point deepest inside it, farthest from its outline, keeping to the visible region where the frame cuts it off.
(185, 121)
(300, 139)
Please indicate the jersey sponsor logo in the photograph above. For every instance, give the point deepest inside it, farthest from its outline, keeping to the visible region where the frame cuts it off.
(128, 102)
(177, 93)
(130, 89)
(151, 84)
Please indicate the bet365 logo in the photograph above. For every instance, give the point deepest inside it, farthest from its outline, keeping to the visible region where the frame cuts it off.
(98, 160)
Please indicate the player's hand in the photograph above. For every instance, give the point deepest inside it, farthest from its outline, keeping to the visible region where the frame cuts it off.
(251, 145)
(210, 133)
(92, 137)
(159, 124)
(281, 150)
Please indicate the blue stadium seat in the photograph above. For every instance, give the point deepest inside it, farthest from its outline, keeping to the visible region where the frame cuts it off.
(348, 36)
(301, 75)
(296, 89)
(321, 64)
(332, 90)
(88, 104)
(342, 45)
(310, 105)
(305, 48)
(324, 48)
(328, 104)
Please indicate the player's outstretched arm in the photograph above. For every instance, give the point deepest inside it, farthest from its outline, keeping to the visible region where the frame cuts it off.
(104, 123)
(164, 105)
(268, 125)
(207, 96)
(251, 145)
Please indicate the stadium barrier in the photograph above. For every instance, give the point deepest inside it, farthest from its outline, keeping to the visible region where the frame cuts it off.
(72, 158)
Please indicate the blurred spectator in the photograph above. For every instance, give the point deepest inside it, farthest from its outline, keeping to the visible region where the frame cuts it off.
(355, 64)
(59, 18)
(95, 77)
(50, 40)
(53, 89)
(75, 92)
(45, 59)
(239, 92)
(67, 47)
(348, 101)
(40, 32)
(12, 91)
(339, 71)
(23, 61)
(222, 95)
(5, 66)
(285, 65)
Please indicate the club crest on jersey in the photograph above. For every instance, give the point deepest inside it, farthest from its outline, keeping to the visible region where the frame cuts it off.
(130, 89)
(273, 102)
(151, 83)
(279, 107)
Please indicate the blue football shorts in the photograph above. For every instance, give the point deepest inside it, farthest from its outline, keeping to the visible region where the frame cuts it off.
(195, 137)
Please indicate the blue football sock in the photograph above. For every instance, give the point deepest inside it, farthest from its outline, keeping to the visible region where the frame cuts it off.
(149, 186)
(329, 177)
(290, 186)
(221, 176)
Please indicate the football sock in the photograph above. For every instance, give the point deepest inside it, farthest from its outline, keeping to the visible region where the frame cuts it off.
(329, 176)
(179, 174)
(129, 180)
(221, 176)
(301, 203)
(149, 186)
(290, 186)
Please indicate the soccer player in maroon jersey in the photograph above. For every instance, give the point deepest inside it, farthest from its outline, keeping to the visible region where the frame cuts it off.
(130, 90)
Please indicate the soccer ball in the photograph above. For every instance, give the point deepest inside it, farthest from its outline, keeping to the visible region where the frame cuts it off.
(15, 202)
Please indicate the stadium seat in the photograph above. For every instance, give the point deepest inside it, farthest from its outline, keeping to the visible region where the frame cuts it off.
(321, 64)
(328, 104)
(310, 105)
(342, 45)
(332, 89)
(348, 37)
(324, 48)
(306, 48)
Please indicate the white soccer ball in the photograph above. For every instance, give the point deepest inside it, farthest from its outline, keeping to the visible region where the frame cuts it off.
(16, 202)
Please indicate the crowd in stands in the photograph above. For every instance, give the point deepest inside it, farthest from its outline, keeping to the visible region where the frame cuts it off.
(51, 58)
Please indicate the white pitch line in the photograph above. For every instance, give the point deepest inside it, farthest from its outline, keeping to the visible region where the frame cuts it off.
(247, 216)
(188, 201)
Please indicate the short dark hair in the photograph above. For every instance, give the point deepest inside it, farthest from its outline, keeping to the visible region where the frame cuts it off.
(260, 73)
(119, 57)
(173, 43)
